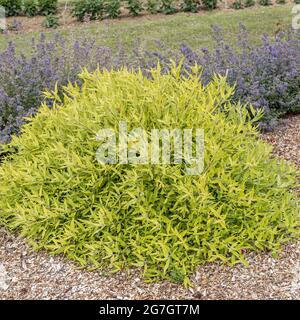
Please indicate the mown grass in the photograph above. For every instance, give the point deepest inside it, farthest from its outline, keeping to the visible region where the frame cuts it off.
(192, 29)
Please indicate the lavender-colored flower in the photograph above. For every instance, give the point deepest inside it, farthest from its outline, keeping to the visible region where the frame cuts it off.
(266, 75)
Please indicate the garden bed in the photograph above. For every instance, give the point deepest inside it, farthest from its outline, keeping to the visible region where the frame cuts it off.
(23, 24)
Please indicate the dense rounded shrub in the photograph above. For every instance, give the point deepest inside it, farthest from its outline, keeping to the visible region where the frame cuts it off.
(237, 5)
(89, 9)
(152, 6)
(12, 7)
(135, 7)
(209, 4)
(47, 7)
(265, 2)
(30, 7)
(154, 216)
(51, 21)
(167, 7)
(189, 6)
(113, 8)
(249, 3)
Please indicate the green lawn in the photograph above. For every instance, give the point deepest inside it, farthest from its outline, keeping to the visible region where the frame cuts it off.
(193, 29)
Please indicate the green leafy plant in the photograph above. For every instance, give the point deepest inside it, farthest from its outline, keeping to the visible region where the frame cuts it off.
(210, 4)
(249, 3)
(30, 8)
(280, 1)
(47, 7)
(297, 1)
(12, 7)
(265, 2)
(51, 21)
(113, 8)
(167, 7)
(91, 9)
(237, 5)
(152, 6)
(55, 193)
(135, 7)
(189, 6)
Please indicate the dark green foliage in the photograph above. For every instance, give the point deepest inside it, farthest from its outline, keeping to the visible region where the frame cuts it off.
(167, 7)
(265, 2)
(152, 6)
(134, 6)
(249, 3)
(47, 7)
(113, 8)
(30, 8)
(209, 4)
(89, 9)
(189, 6)
(51, 21)
(237, 5)
(12, 7)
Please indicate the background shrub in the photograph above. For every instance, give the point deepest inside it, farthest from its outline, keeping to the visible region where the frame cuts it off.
(47, 7)
(91, 9)
(54, 192)
(265, 2)
(30, 7)
(209, 4)
(113, 8)
(167, 7)
(152, 6)
(189, 6)
(135, 7)
(12, 7)
(237, 4)
(249, 3)
(51, 21)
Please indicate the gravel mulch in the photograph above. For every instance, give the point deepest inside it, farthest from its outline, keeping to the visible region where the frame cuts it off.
(37, 275)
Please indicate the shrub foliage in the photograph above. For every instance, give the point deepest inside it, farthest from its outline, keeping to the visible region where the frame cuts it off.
(12, 7)
(89, 9)
(30, 8)
(135, 7)
(54, 192)
(47, 7)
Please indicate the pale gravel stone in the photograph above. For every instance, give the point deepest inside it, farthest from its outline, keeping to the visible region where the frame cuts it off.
(3, 278)
(37, 275)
